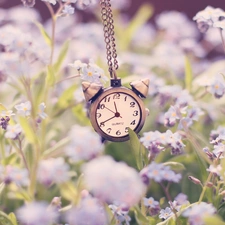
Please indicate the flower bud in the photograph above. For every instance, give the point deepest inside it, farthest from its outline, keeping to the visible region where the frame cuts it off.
(194, 180)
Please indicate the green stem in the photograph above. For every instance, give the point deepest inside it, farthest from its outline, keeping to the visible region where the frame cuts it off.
(22, 154)
(53, 30)
(204, 188)
(166, 191)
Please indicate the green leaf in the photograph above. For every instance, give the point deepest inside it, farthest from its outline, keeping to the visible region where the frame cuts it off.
(22, 194)
(175, 166)
(12, 217)
(44, 33)
(66, 97)
(140, 218)
(2, 187)
(143, 14)
(10, 160)
(80, 114)
(50, 78)
(138, 149)
(62, 55)
(57, 148)
(28, 131)
(4, 219)
(2, 107)
(213, 220)
(169, 221)
(188, 74)
(68, 191)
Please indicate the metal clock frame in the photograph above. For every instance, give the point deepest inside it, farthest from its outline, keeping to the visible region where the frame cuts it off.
(102, 95)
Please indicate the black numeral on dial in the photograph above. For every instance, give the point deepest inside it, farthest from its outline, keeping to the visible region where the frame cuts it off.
(109, 130)
(135, 113)
(133, 122)
(118, 133)
(116, 96)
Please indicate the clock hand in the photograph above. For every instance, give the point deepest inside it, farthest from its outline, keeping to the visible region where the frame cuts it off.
(110, 110)
(115, 107)
(117, 114)
(102, 123)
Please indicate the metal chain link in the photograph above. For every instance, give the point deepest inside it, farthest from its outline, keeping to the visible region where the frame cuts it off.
(108, 28)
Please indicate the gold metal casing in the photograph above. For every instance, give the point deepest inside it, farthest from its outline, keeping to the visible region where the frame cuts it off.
(111, 90)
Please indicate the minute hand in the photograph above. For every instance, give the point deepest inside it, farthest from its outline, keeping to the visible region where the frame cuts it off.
(108, 119)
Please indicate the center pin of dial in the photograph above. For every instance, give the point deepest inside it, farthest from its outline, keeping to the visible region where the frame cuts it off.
(117, 114)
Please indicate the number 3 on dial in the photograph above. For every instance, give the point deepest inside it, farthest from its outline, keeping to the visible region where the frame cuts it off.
(116, 110)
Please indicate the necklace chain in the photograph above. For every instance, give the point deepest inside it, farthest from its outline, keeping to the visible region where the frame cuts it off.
(108, 28)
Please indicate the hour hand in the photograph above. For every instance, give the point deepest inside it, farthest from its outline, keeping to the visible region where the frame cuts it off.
(103, 123)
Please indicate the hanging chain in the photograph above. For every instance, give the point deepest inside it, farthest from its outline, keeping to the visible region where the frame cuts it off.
(108, 28)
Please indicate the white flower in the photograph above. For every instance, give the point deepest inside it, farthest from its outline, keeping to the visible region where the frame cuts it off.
(68, 9)
(13, 131)
(8, 113)
(52, 171)
(77, 65)
(220, 24)
(92, 73)
(70, 1)
(41, 112)
(36, 213)
(215, 169)
(24, 109)
(53, 2)
(113, 182)
(209, 13)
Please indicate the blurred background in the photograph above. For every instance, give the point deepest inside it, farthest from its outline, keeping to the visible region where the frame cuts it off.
(188, 7)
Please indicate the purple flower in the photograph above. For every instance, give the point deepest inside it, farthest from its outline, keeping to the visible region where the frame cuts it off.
(28, 3)
(197, 212)
(171, 116)
(88, 211)
(150, 202)
(78, 149)
(113, 182)
(121, 215)
(36, 213)
(181, 199)
(207, 17)
(216, 170)
(165, 213)
(159, 173)
(68, 9)
(53, 170)
(13, 131)
(194, 113)
(219, 150)
(16, 175)
(174, 140)
(217, 88)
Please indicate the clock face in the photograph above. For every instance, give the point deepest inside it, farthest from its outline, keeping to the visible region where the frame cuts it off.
(117, 111)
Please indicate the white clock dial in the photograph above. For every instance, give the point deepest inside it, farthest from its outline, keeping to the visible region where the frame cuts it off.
(116, 112)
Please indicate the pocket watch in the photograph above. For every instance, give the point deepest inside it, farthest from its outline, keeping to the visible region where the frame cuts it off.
(114, 109)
